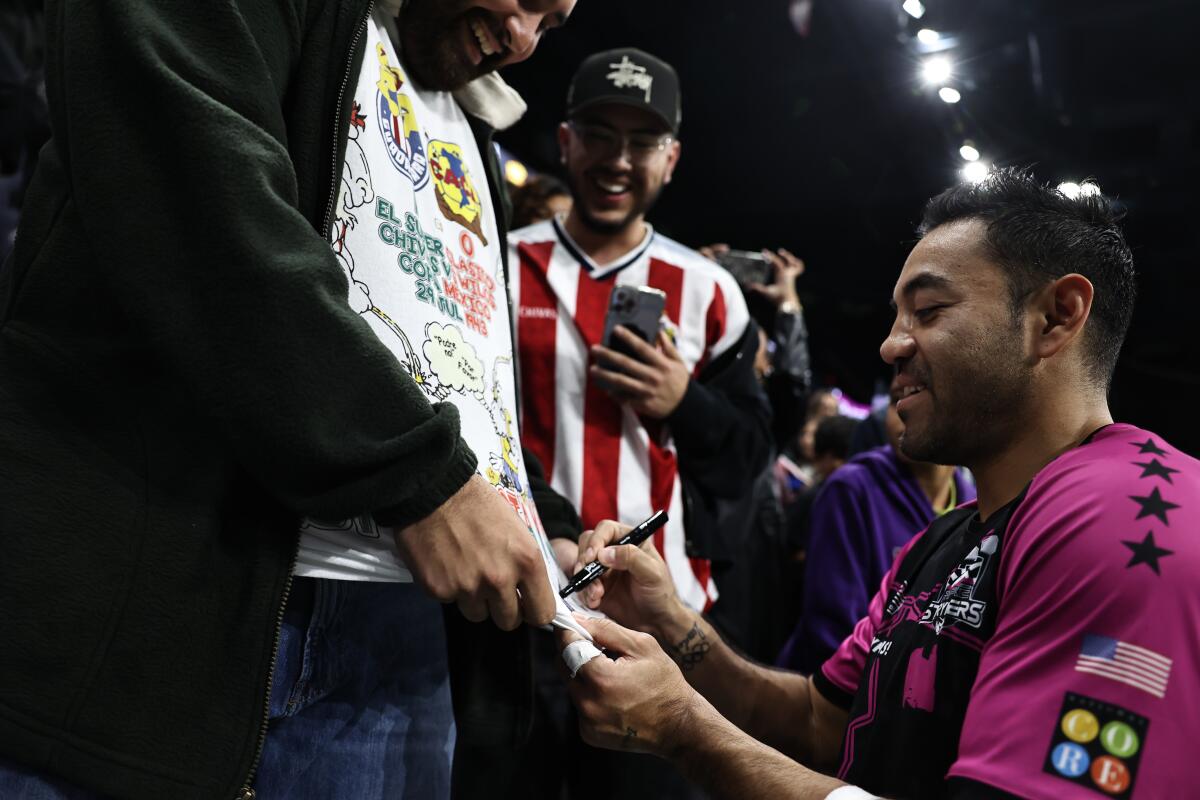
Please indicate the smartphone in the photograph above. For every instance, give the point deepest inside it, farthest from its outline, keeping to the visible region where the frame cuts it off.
(638, 308)
(747, 267)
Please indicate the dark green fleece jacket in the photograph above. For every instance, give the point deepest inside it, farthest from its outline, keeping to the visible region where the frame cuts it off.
(180, 380)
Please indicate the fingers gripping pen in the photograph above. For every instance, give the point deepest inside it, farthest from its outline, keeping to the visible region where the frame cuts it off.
(595, 569)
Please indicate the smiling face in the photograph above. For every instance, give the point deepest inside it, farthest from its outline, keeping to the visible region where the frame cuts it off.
(618, 158)
(449, 43)
(963, 368)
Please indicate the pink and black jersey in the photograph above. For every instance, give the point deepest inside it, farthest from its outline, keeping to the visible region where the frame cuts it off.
(610, 463)
(1051, 651)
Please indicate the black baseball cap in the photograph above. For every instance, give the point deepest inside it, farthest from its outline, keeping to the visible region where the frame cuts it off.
(630, 77)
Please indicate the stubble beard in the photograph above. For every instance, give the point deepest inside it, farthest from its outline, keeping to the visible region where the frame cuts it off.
(603, 227)
(432, 50)
(981, 408)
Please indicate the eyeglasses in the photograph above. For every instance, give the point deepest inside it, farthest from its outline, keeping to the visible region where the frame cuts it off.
(604, 142)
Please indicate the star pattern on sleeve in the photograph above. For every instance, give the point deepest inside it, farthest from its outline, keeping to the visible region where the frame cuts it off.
(1149, 446)
(1146, 552)
(1153, 468)
(1154, 504)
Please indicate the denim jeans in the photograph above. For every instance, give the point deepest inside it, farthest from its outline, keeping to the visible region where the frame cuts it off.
(360, 704)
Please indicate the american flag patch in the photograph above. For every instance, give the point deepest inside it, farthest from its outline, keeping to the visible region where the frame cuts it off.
(1127, 663)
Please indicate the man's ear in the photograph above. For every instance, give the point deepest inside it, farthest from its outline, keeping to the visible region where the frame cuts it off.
(672, 160)
(564, 139)
(1061, 309)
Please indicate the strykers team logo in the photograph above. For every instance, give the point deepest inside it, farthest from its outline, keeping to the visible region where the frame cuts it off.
(956, 601)
(398, 124)
(456, 194)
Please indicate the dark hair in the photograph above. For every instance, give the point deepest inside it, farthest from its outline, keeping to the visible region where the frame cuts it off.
(1037, 233)
(832, 436)
(529, 199)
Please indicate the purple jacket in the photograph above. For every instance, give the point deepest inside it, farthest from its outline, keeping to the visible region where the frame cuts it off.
(866, 511)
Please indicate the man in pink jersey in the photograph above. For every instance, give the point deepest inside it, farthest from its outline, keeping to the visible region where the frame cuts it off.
(680, 424)
(1040, 642)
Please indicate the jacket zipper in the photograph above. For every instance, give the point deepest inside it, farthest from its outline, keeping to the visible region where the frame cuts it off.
(247, 791)
(334, 182)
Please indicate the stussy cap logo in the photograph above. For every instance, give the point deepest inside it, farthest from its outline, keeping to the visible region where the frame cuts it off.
(628, 74)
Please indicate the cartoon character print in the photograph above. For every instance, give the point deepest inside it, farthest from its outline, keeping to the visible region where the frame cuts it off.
(504, 468)
(457, 197)
(398, 123)
(356, 190)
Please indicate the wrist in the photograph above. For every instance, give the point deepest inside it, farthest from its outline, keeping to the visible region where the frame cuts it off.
(672, 624)
(687, 737)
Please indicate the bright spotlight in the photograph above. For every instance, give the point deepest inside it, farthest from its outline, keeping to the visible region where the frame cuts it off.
(975, 171)
(949, 94)
(937, 70)
(1074, 190)
(914, 8)
(927, 36)
(968, 153)
(516, 172)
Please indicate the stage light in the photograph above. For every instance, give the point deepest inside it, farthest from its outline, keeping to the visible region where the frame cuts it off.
(949, 94)
(516, 172)
(914, 8)
(975, 171)
(968, 153)
(927, 36)
(1074, 190)
(937, 70)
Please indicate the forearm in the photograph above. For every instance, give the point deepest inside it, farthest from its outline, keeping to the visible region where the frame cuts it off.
(726, 762)
(773, 706)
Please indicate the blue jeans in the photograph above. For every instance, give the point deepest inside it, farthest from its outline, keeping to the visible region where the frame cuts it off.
(360, 705)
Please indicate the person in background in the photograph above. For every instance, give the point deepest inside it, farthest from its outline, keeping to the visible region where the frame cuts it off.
(864, 515)
(679, 423)
(782, 361)
(540, 198)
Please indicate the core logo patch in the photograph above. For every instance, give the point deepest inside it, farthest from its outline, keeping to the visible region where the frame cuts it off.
(1097, 745)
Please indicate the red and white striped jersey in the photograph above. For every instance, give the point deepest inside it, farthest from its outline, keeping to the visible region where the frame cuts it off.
(609, 462)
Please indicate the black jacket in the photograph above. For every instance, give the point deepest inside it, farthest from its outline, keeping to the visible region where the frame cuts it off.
(181, 380)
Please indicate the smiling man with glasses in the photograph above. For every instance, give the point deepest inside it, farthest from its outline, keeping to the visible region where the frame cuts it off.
(678, 423)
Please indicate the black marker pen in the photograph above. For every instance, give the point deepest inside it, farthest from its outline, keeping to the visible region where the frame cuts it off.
(595, 569)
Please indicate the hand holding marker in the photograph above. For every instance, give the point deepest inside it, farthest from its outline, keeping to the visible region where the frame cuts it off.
(595, 569)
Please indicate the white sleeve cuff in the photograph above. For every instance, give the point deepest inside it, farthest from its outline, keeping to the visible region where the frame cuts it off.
(850, 793)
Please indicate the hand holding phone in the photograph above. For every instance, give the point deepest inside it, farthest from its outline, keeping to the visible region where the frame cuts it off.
(628, 365)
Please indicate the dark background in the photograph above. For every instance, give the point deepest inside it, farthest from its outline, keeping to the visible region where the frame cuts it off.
(829, 144)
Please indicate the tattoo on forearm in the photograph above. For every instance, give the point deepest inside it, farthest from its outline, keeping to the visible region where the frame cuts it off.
(630, 735)
(692, 648)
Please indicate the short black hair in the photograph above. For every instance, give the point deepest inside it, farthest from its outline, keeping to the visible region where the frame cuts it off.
(832, 436)
(1038, 233)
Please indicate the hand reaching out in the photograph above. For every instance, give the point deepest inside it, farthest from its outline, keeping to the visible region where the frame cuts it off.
(781, 292)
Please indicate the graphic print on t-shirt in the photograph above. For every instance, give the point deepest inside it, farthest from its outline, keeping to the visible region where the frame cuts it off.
(456, 195)
(398, 122)
(419, 248)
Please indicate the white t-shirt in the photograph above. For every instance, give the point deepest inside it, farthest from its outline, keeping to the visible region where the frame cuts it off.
(416, 234)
